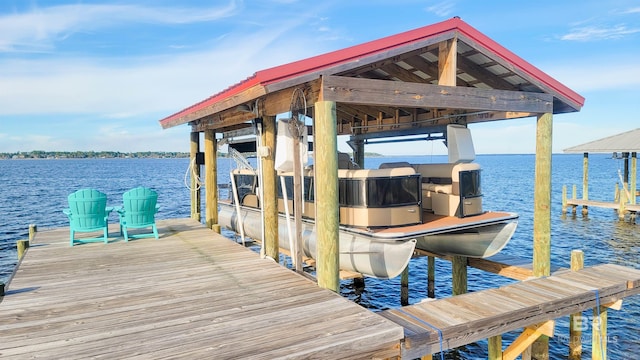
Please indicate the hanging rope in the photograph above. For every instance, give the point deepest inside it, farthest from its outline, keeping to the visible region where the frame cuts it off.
(191, 170)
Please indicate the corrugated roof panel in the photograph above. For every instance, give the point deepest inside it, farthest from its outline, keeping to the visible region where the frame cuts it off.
(624, 142)
(341, 59)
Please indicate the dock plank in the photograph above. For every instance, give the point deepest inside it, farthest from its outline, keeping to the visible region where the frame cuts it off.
(190, 294)
(510, 307)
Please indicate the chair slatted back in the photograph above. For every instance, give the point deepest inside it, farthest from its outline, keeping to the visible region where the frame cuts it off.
(140, 206)
(88, 209)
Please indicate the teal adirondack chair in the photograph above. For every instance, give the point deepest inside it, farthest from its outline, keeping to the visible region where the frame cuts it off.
(88, 212)
(138, 211)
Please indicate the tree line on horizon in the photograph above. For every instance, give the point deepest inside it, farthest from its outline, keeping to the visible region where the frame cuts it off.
(40, 154)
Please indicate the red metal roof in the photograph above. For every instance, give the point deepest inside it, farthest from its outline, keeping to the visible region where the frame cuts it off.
(328, 60)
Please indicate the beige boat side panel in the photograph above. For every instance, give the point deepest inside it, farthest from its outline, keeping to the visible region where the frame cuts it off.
(373, 217)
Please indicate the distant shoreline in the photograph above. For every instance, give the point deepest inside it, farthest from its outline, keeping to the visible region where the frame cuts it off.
(62, 155)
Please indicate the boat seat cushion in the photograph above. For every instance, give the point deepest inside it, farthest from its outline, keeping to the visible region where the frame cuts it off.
(438, 188)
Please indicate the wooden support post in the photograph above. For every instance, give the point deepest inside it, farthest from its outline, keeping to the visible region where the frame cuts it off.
(634, 174)
(599, 334)
(359, 154)
(270, 189)
(542, 198)
(575, 320)
(33, 229)
(564, 199)
(622, 202)
(22, 246)
(404, 287)
(625, 187)
(359, 284)
(528, 336)
(195, 174)
(298, 203)
(326, 180)
(574, 195)
(448, 62)
(431, 277)
(211, 178)
(625, 155)
(495, 348)
(459, 274)
(585, 176)
(542, 214)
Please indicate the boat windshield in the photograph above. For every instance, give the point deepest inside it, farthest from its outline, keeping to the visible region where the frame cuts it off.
(380, 192)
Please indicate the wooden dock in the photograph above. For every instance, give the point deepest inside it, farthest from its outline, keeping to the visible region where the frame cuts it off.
(190, 294)
(602, 204)
(195, 294)
(433, 326)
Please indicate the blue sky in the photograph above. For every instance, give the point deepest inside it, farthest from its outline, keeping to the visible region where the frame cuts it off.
(98, 75)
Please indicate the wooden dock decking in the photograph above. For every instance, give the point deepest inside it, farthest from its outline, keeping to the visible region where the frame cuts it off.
(190, 294)
(443, 324)
(603, 204)
(196, 294)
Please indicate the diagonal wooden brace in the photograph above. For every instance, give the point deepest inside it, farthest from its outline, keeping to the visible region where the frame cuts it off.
(528, 337)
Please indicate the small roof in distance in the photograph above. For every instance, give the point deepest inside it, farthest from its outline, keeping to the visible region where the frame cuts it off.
(625, 142)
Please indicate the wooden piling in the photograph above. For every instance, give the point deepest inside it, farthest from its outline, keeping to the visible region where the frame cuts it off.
(431, 277)
(575, 320)
(585, 176)
(359, 154)
(495, 348)
(459, 274)
(211, 178)
(404, 287)
(634, 174)
(542, 214)
(326, 177)
(542, 198)
(622, 202)
(22, 246)
(270, 188)
(296, 252)
(195, 174)
(599, 334)
(33, 229)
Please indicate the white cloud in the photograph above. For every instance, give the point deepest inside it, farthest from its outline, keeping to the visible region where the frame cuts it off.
(442, 8)
(633, 11)
(40, 28)
(159, 84)
(595, 33)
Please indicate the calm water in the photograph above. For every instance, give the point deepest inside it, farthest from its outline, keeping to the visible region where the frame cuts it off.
(35, 191)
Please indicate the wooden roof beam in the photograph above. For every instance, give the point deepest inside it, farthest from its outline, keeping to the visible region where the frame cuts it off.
(402, 94)
(482, 75)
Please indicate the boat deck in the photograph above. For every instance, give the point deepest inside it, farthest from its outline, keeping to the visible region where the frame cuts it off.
(437, 223)
(191, 294)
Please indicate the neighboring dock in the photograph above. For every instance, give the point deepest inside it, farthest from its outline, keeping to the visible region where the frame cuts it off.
(191, 294)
